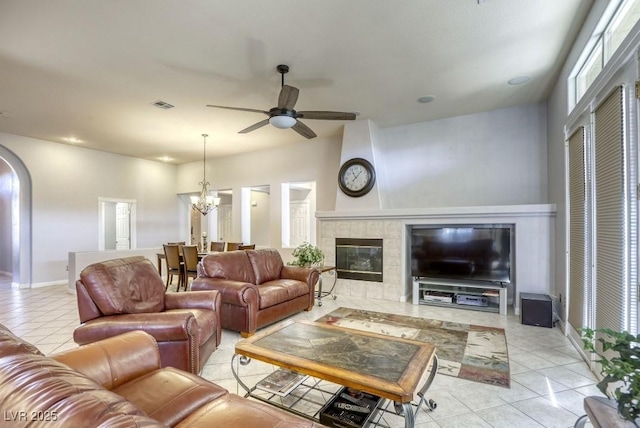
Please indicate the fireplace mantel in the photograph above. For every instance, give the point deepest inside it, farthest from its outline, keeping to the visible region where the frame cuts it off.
(534, 226)
(444, 212)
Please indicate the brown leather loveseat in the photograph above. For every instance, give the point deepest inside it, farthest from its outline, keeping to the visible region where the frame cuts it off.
(128, 294)
(257, 288)
(118, 382)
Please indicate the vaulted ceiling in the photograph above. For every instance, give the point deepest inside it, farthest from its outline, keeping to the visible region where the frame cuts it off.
(91, 70)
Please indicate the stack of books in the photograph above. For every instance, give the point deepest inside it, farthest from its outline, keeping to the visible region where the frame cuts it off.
(281, 382)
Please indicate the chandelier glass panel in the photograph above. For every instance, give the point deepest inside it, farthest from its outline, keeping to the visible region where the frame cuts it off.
(204, 202)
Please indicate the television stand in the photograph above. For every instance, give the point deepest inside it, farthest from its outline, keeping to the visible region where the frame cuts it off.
(479, 296)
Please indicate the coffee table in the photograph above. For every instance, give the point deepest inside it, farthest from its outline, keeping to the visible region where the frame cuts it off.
(386, 366)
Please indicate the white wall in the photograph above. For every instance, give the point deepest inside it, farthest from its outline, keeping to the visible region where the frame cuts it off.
(260, 218)
(311, 160)
(492, 158)
(66, 184)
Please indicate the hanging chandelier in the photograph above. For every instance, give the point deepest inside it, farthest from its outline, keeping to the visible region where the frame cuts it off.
(204, 202)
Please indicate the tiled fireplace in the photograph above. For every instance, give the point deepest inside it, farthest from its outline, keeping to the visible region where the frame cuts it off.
(533, 253)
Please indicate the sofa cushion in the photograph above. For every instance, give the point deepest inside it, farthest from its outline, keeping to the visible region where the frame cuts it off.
(232, 265)
(124, 286)
(11, 344)
(169, 395)
(267, 264)
(35, 383)
(281, 290)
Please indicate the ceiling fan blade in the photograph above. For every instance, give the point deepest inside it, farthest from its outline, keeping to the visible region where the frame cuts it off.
(303, 130)
(288, 97)
(255, 126)
(326, 115)
(252, 110)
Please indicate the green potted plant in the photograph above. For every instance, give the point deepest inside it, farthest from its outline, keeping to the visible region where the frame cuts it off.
(307, 255)
(621, 370)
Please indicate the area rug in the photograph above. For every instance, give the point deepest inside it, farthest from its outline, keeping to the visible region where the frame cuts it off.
(465, 351)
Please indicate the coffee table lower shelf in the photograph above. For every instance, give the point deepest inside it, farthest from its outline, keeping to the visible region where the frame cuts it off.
(309, 399)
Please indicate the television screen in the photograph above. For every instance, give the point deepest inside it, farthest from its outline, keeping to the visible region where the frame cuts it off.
(477, 253)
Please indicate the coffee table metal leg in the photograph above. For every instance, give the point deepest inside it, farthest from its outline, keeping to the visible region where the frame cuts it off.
(409, 419)
(243, 361)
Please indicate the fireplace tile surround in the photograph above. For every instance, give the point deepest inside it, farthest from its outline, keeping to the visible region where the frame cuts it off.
(534, 225)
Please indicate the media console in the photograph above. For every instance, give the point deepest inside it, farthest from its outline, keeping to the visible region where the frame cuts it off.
(481, 296)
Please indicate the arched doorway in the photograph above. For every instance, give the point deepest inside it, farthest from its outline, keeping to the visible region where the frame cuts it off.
(20, 237)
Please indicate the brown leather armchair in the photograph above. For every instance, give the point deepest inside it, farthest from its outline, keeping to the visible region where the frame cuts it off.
(127, 294)
(257, 288)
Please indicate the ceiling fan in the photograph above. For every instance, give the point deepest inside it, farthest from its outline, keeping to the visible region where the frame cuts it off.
(284, 116)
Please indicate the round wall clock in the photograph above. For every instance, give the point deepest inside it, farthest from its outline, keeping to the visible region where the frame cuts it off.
(356, 177)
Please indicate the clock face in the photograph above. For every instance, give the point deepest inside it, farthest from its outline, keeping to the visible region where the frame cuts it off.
(356, 177)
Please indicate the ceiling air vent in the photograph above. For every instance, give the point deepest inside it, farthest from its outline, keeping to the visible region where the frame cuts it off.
(163, 105)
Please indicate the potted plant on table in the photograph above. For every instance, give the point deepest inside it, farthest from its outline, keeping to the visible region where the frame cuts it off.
(621, 371)
(307, 255)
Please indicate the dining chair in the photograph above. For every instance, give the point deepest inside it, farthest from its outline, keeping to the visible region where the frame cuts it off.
(247, 247)
(217, 246)
(232, 246)
(190, 265)
(174, 265)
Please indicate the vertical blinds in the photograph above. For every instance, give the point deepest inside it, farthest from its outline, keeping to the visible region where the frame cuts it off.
(610, 236)
(578, 263)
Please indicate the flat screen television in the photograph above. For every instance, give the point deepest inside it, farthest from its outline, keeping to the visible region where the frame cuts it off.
(476, 252)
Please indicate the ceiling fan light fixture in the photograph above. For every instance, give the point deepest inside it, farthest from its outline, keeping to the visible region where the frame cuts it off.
(282, 122)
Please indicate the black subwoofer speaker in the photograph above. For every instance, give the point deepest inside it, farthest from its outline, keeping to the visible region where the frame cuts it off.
(536, 309)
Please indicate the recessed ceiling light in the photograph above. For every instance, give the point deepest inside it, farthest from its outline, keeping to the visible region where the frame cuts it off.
(72, 140)
(427, 99)
(519, 80)
(165, 159)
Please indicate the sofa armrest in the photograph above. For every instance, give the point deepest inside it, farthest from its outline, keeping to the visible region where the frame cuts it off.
(236, 293)
(193, 299)
(114, 361)
(163, 326)
(308, 275)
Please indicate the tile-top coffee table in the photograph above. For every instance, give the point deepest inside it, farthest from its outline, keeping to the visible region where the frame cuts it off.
(386, 366)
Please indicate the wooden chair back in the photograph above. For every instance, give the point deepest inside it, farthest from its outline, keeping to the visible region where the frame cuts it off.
(174, 266)
(232, 246)
(247, 247)
(190, 256)
(172, 255)
(218, 246)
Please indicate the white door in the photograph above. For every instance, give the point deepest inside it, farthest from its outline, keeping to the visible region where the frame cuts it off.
(299, 223)
(224, 222)
(123, 237)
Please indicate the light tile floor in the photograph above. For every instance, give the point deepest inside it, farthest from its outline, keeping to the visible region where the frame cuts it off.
(548, 378)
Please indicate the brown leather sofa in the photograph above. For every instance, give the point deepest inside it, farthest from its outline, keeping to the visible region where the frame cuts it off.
(257, 288)
(127, 294)
(118, 382)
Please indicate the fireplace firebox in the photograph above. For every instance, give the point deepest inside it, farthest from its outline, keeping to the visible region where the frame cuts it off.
(359, 259)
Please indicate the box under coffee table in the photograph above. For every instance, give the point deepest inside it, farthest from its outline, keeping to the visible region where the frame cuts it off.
(389, 367)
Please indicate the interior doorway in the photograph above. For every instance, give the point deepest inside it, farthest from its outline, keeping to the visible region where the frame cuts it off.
(16, 183)
(117, 224)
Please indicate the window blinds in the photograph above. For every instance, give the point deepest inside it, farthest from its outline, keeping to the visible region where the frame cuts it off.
(610, 233)
(578, 263)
